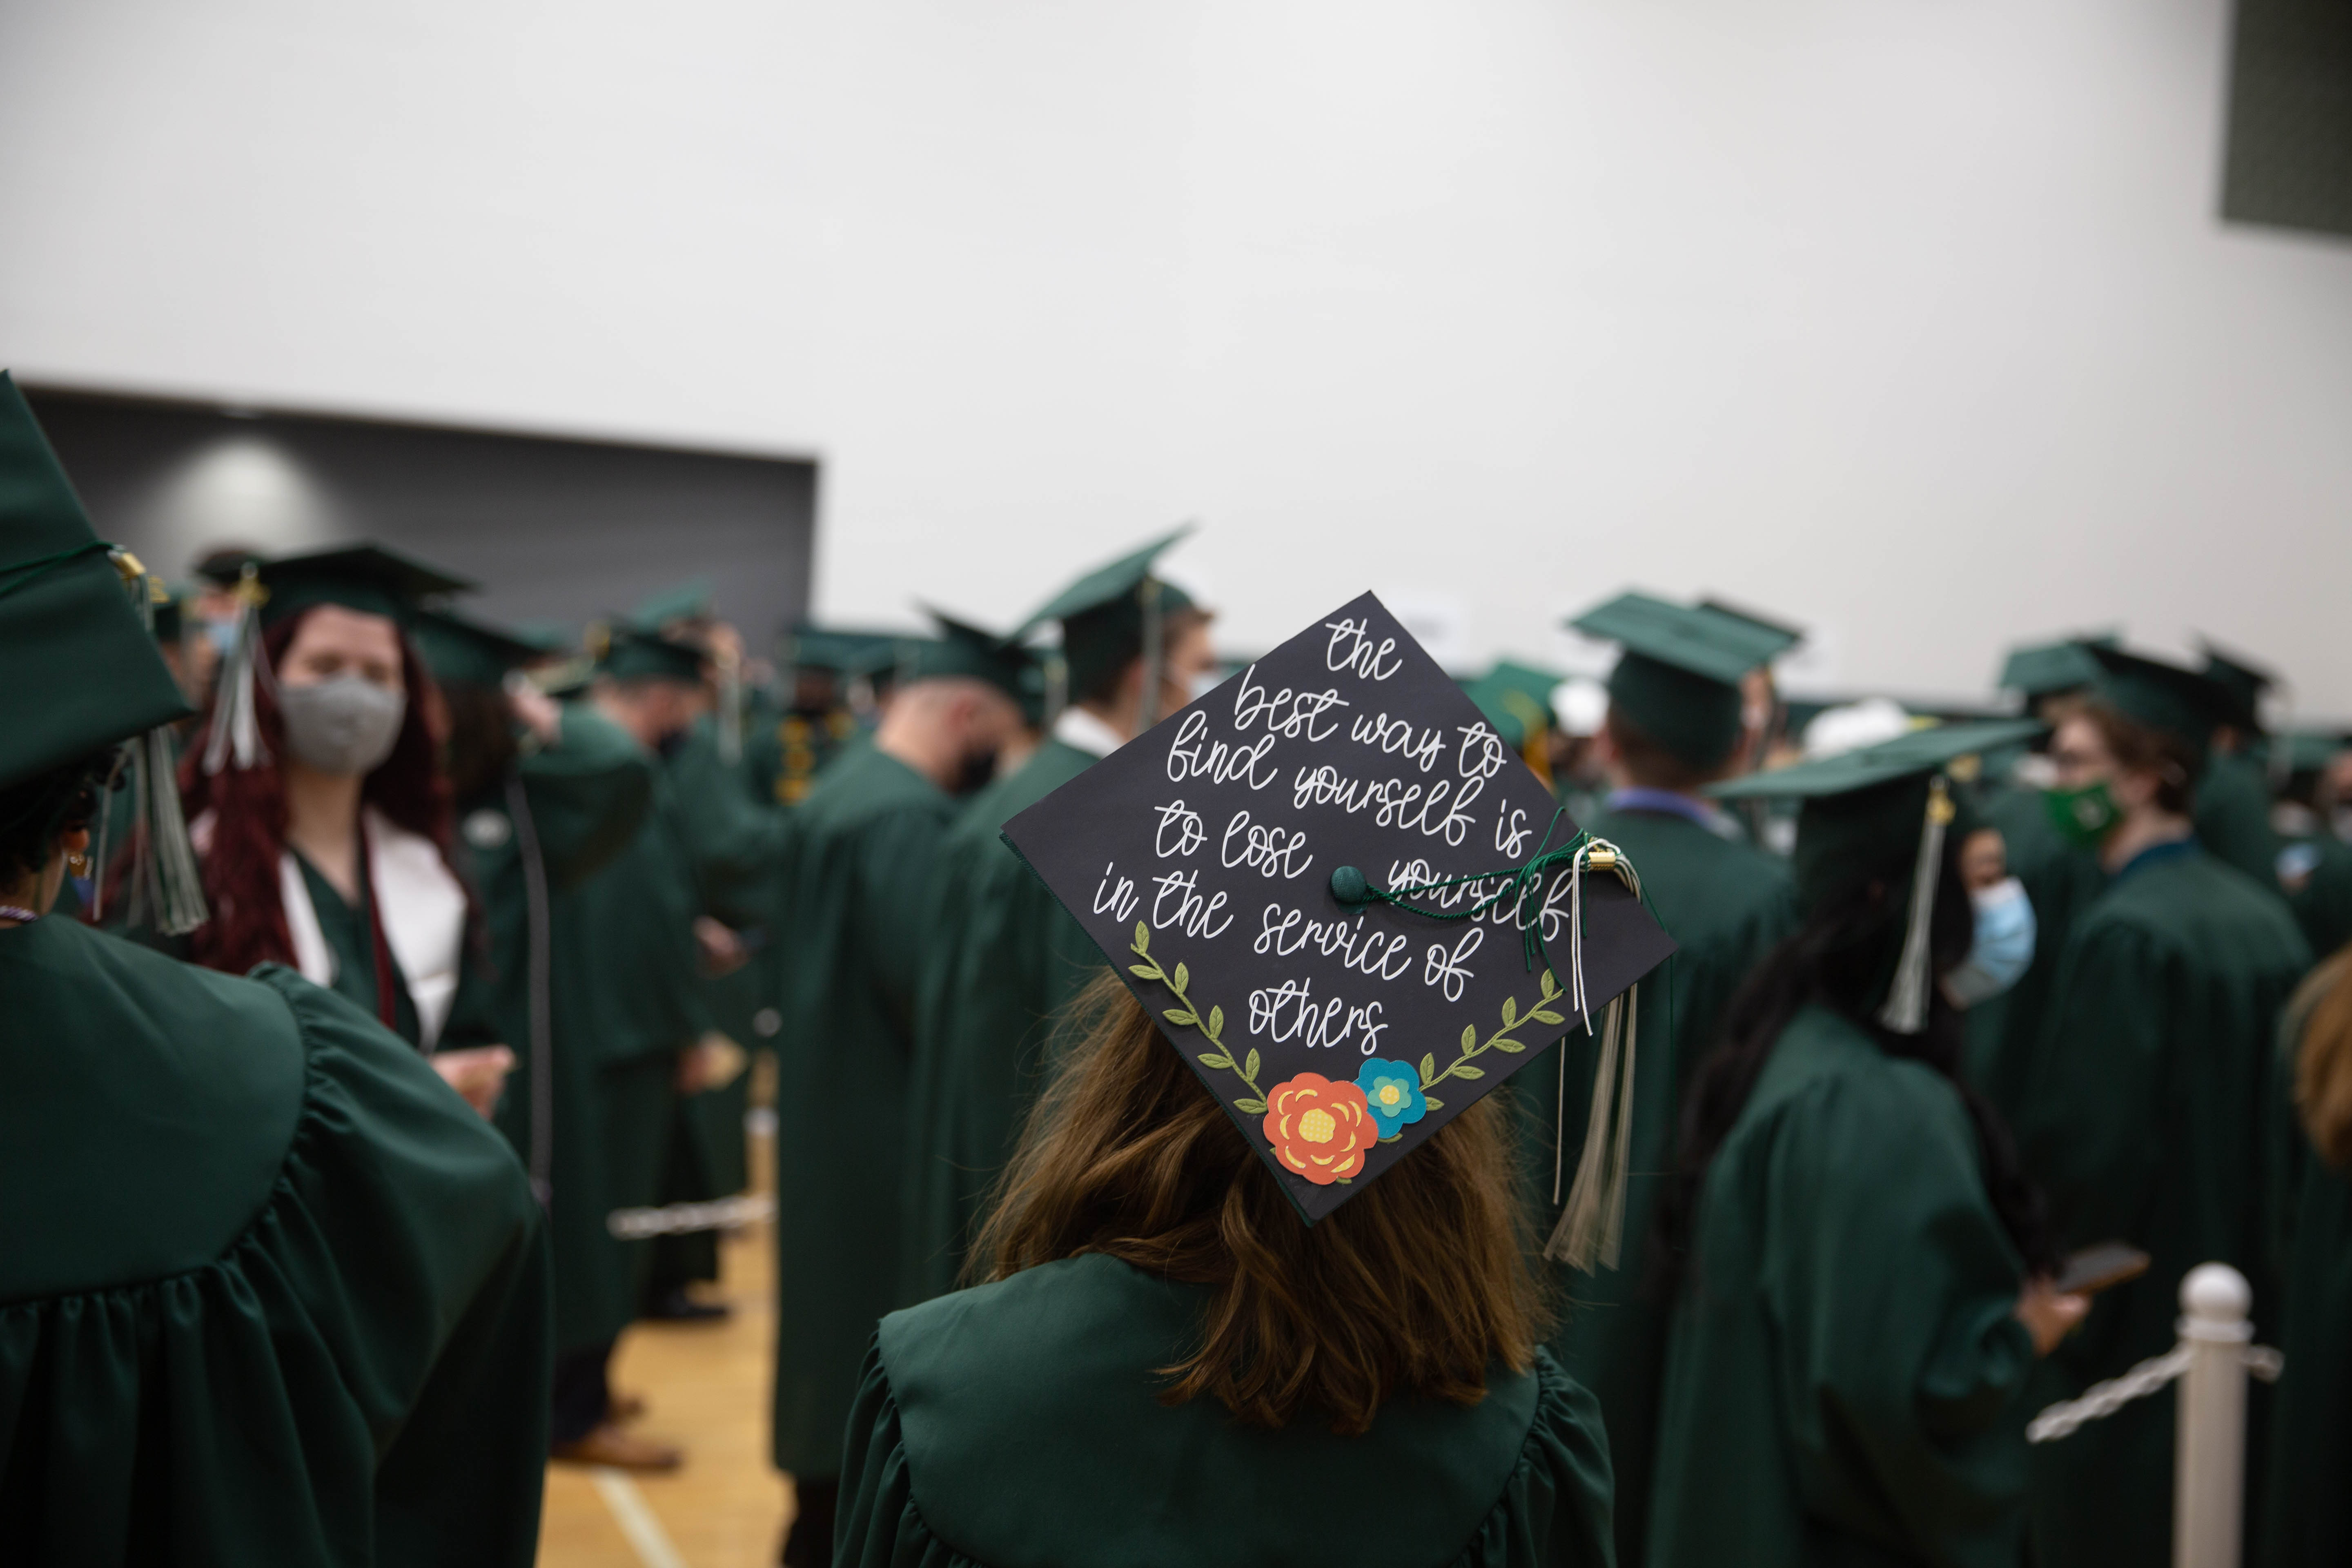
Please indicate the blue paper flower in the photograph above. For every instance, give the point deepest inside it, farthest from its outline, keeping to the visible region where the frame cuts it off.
(1394, 1092)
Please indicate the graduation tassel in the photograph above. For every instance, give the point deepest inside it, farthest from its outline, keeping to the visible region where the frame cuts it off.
(167, 859)
(237, 727)
(730, 707)
(1906, 1012)
(1592, 1226)
(1153, 654)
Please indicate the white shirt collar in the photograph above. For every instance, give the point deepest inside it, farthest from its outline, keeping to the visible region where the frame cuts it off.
(1076, 727)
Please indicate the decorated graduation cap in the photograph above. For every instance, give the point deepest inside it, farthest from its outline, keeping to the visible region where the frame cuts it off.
(1112, 615)
(2042, 669)
(459, 648)
(76, 640)
(2243, 679)
(1863, 810)
(2169, 698)
(1354, 911)
(1678, 679)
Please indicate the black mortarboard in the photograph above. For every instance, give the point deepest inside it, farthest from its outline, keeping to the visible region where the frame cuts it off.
(1274, 870)
(1678, 679)
(364, 577)
(1106, 615)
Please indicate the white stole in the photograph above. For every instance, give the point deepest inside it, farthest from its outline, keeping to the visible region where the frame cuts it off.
(424, 910)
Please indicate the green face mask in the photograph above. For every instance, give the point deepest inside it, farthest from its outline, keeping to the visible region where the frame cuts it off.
(2082, 816)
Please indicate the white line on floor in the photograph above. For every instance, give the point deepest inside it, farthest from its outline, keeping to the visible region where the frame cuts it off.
(637, 1520)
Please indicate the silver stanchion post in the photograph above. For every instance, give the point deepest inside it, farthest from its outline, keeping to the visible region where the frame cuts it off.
(2209, 1481)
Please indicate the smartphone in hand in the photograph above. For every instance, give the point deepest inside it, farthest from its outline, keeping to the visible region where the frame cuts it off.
(2096, 1269)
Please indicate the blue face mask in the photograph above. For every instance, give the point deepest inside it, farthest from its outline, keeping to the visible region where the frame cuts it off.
(2003, 948)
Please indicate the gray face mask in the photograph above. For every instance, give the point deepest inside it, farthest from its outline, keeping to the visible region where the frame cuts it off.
(346, 725)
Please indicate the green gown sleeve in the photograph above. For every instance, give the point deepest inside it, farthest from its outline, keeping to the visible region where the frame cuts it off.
(734, 843)
(588, 794)
(361, 1378)
(1553, 1512)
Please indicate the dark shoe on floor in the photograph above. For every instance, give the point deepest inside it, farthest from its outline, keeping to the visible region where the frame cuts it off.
(676, 1306)
(608, 1445)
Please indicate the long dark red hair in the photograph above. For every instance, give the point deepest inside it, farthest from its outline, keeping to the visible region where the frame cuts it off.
(248, 808)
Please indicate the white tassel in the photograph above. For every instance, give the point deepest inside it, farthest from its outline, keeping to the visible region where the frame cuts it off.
(237, 725)
(179, 887)
(1906, 1012)
(730, 710)
(1592, 1227)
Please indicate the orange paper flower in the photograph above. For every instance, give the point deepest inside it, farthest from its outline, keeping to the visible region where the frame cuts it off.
(1321, 1129)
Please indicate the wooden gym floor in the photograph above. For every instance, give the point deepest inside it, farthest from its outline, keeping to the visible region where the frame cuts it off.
(705, 1386)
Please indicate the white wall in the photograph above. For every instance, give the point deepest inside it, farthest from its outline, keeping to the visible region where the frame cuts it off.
(1912, 321)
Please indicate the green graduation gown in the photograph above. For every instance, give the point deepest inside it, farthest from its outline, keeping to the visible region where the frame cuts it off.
(2003, 1032)
(1845, 1372)
(2234, 816)
(640, 1006)
(1020, 1422)
(2148, 1119)
(349, 929)
(1726, 903)
(857, 866)
(1004, 957)
(270, 1292)
(733, 840)
(585, 799)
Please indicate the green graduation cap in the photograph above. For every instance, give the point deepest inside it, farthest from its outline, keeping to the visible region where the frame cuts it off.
(2242, 678)
(83, 673)
(1863, 810)
(456, 647)
(2042, 669)
(964, 649)
(836, 648)
(1789, 637)
(630, 652)
(364, 577)
(1678, 679)
(2309, 751)
(1110, 616)
(687, 601)
(1516, 700)
(2167, 697)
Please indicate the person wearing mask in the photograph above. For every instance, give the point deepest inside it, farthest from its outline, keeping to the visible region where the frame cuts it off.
(1134, 649)
(857, 869)
(1166, 1366)
(1676, 722)
(2060, 876)
(2309, 1512)
(2146, 1114)
(1860, 1264)
(2233, 815)
(643, 1022)
(270, 1293)
(318, 807)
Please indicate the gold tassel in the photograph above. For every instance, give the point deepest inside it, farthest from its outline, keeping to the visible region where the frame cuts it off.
(1592, 1226)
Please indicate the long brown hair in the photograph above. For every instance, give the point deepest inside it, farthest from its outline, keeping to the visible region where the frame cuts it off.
(2323, 1062)
(1418, 1284)
(248, 806)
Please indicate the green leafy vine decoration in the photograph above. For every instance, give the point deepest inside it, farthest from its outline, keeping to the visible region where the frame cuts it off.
(1188, 1013)
(1500, 1040)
